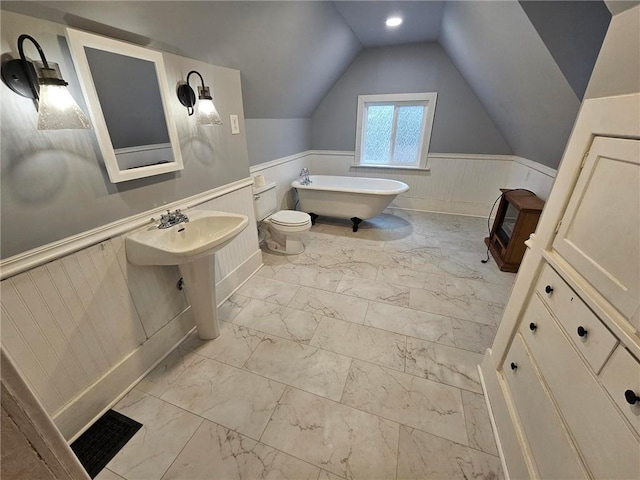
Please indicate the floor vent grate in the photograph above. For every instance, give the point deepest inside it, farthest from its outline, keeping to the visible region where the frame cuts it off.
(103, 440)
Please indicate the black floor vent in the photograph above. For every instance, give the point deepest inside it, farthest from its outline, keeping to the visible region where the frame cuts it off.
(103, 440)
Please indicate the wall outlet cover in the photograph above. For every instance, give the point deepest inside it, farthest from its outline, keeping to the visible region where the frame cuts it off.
(235, 124)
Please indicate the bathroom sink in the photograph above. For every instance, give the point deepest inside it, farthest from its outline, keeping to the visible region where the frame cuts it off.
(204, 234)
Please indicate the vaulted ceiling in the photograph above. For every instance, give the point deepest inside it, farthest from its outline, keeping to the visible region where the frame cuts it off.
(527, 62)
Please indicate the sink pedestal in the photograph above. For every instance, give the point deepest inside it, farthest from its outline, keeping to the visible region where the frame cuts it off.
(200, 285)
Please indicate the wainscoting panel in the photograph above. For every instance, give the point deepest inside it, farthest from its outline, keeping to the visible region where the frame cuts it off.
(454, 183)
(532, 176)
(67, 323)
(284, 171)
(83, 328)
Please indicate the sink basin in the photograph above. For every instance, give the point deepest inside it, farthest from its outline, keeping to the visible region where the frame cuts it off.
(204, 234)
(192, 247)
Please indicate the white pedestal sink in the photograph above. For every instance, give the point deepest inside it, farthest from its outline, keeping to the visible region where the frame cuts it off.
(192, 247)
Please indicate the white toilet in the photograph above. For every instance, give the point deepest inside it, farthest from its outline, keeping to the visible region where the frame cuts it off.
(281, 229)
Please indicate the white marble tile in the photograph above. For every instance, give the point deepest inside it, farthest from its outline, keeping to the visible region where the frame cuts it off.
(278, 320)
(411, 278)
(424, 456)
(215, 452)
(330, 304)
(235, 398)
(232, 307)
(427, 326)
(453, 366)
(308, 368)
(324, 475)
(164, 432)
(479, 290)
(382, 258)
(269, 290)
(106, 474)
(167, 372)
(234, 345)
(442, 303)
(478, 423)
(303, 275)
(406, 399)
(473, 336)
(358, 341)
(340, 439)
(374, 290)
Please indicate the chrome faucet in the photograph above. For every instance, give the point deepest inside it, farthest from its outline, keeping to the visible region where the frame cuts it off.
(304, 177)
(170, 219)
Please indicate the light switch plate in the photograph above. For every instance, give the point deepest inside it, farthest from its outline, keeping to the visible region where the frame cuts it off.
(235, 124)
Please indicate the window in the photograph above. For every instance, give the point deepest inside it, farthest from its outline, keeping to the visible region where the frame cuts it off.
(394, 130)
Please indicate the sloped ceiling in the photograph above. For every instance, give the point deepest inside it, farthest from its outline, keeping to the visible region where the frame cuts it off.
(508, 66)
(522, 68)
(289, 53)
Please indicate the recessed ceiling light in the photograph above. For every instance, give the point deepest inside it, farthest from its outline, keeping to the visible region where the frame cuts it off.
(393, 21)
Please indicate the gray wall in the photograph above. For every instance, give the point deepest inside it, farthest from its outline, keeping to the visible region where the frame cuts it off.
(54, 183)
(268, 139)
(508, 66)
(617, 71)
(461, 124)
(573, 33)
(289, 53)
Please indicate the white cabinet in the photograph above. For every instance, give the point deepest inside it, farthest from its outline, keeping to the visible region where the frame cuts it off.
(571, 329)
(600, 231)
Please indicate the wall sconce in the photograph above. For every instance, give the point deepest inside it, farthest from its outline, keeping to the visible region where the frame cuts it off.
(206, 113)
(43, 82)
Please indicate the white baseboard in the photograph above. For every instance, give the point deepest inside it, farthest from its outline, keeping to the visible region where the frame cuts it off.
(91, 404)
(102, 395)
(441, 206)
(229, 284)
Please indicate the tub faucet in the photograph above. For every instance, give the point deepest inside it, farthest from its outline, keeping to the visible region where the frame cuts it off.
(304, 177)
(170, 219)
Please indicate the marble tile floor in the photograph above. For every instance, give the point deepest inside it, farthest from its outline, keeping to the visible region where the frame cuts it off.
(353, 360)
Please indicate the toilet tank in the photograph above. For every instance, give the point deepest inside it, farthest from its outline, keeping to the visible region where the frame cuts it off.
(265, 202)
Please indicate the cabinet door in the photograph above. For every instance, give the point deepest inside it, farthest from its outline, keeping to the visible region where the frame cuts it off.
(600, 231)
(554, 454)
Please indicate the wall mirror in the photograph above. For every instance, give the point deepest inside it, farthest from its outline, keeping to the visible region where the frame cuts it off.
(128, 96)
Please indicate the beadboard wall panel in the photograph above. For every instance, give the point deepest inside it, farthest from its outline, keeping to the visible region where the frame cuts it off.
(454, 183)
(283, 171)
(74, 326)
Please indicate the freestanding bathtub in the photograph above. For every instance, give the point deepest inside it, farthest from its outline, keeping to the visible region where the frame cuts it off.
(356, 198)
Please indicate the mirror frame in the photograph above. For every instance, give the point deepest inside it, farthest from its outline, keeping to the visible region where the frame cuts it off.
(77, 41)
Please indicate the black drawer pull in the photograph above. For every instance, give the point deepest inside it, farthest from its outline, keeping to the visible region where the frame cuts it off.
(514, 366)
(548, 289)
(631, 397)
(582, 332)
(533, 326)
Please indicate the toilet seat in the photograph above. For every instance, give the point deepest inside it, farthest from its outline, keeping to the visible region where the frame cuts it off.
(290, 218)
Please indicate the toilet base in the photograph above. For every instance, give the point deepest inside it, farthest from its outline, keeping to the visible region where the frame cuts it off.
(288, 244)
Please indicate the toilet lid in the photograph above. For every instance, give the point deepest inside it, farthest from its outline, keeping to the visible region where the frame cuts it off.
(290, 217)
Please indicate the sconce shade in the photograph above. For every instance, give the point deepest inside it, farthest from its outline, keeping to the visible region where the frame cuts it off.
(206, 112)
(58, 110)
(43, 82)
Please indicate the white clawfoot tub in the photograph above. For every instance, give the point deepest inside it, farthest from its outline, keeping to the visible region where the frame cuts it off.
(356, 198)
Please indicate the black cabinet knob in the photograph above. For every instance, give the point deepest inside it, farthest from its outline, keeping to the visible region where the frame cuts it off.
(514, 366)
(582, 332)
(548, 289)
(533, 326)
(631, 397)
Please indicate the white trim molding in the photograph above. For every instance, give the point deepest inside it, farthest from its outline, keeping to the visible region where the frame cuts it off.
(38, 256)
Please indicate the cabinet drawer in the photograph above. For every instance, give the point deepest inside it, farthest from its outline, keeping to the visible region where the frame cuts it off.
(583, 327)
(608, 446)
(620, 374)
(554, 454)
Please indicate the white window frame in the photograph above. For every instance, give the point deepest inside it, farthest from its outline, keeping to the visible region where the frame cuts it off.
(428, 100)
